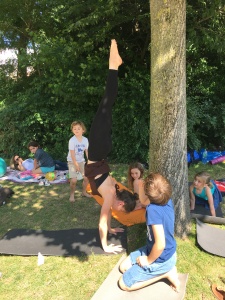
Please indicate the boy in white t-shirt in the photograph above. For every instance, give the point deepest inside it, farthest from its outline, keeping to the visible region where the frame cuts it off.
(78, 144)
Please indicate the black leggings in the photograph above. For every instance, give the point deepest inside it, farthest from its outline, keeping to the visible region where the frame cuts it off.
(100, 141)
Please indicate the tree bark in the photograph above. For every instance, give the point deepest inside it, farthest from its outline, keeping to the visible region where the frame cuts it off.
(168, 121)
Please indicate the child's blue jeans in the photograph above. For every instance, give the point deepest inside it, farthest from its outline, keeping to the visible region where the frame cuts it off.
(138, 274)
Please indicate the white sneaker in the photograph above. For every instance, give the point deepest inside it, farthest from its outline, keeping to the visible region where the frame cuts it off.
(46, 183)
(41, 182)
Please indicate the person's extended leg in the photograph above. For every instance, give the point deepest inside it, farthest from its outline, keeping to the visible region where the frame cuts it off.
(85, 181)
(73, 182)
(100, 133)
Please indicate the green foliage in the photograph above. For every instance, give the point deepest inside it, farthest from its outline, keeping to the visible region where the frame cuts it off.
(205, 74)
(48, 208)
(70, 64)
(205, 105)
(68, 58)
(131, 118)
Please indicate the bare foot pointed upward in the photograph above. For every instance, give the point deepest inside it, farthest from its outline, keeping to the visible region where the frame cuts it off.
(114, 58)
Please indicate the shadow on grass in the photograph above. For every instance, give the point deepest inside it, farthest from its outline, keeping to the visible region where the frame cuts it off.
(46, 222)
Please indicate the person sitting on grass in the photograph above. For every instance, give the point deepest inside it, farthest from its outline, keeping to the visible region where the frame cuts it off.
(43, 162)
(18, 163)
(203, 188)
(157, 259)
(135, 175)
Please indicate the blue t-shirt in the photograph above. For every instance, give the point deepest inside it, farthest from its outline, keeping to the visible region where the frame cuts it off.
(161, 215)
(43, 158)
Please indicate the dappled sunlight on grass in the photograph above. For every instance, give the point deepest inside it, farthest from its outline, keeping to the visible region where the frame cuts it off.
(43, 196)
(119, 172)
(38, 205)
(16, 207)
(53, 193)
(216, 171)
(74, 220)
(15, 196)
(48, 208)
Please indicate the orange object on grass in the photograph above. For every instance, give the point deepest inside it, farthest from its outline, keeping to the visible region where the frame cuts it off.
(127, 219)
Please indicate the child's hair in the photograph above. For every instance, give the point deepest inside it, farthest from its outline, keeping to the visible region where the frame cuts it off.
(135, 165)
(13, 163)
(78, 123)
(127, 197)
(33, 144)
(157, 188)
(205, 178)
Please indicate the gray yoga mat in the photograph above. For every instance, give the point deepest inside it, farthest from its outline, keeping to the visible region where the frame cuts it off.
(160, 290)
(210, 238)
(203, 214)
(208, 219)
(201, 210)
(71, 242)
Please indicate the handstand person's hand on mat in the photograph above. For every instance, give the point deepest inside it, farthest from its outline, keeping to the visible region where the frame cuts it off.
(113, 249)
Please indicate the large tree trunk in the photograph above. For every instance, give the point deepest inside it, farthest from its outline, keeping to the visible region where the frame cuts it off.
(168, 136)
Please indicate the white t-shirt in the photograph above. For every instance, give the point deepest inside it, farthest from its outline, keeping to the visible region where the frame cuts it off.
(28, 164)
(78, 147)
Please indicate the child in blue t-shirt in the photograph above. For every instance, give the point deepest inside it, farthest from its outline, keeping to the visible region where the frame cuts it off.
(157, 259)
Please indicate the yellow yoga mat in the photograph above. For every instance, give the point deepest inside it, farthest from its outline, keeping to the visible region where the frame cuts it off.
(127, 219)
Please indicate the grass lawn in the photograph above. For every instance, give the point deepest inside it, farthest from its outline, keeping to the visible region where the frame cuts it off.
(65, 278)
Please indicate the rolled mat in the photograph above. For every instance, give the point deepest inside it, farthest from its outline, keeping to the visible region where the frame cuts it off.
(127, 219)
(217, 160)
(159, 290)
(71, 242)
(208, 219)
(210, 238)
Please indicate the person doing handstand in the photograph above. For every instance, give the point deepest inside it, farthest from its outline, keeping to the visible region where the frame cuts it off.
(97, 169)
